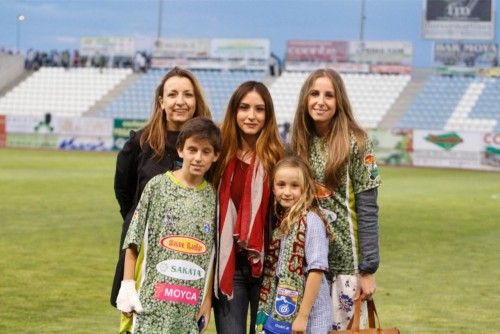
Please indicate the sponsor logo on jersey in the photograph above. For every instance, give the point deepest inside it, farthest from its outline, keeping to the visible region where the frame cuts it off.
(278, 327)
(207, 227)
(177, 293)
(184, 244)
(181, 269)
(321, 191)
(285, 303)
(369, 159)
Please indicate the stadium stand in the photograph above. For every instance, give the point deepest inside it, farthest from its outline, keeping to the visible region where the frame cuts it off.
(371, 95)
(136, 101)
(11, 69)
(440, 103)
(455, 103)
(61, 92)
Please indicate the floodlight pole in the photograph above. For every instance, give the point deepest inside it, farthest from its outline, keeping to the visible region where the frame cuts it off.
(19, 19)
(160, 12)
(362, 23)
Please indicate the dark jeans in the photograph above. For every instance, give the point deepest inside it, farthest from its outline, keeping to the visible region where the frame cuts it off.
(231, 316)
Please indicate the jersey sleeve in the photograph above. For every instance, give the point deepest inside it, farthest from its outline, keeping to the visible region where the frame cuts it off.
(135, 233)
(363, 169)
(368, 231)
(316, 246)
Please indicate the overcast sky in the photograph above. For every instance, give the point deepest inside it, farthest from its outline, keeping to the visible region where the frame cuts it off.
(59, 24)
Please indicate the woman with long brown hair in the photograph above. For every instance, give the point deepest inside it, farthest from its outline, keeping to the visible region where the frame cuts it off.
(151, 150)
(326, 134)
(251, 147)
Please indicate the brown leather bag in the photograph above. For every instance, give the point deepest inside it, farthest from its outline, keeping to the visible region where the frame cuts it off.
(353, 327)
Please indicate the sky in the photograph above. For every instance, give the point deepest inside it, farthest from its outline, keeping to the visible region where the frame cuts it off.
(59, 24)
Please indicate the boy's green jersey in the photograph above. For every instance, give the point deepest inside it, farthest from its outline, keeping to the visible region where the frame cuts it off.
(174, 228)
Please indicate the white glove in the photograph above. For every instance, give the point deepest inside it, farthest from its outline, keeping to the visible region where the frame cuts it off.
(128, 298)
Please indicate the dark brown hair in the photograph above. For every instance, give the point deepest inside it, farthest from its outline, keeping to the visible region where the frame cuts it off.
(269, 148)
(200, 128)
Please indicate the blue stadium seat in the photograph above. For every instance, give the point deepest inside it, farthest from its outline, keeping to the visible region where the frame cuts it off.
(137, 100)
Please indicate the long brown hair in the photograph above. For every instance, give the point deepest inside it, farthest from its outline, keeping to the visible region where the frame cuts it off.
(342, 126)
(306, 202)
(268, 148)
(155, 131)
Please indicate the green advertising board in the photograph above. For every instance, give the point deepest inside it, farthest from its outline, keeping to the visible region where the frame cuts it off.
(121, 130)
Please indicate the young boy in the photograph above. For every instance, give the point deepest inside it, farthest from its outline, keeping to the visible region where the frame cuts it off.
(170, 242)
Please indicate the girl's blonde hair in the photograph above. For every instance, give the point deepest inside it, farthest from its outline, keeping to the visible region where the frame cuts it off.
(342, 126)
(306, 202)
(268, 148)
(155, 131)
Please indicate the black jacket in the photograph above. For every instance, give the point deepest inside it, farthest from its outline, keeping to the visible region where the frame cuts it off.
(134, 168)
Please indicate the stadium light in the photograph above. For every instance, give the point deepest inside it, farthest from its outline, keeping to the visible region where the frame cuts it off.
(362, 22)
(160, 14)
(20, 19)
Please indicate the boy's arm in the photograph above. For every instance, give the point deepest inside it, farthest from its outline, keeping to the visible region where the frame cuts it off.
(130, 261)
(128, 298)
(313, 283)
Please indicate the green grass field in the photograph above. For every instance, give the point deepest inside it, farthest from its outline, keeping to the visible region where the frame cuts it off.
(59, 230)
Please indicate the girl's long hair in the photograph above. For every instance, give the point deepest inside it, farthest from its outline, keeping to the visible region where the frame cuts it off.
(342, 126)
(306, 202)
(155, 131)
(268, 148)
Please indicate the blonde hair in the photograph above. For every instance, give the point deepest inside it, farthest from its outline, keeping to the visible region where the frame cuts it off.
(342, 126)
(307, 200)
(155, 131)
(268, 148)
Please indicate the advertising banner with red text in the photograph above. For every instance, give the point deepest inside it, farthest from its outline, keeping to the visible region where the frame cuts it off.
(490, 155)
(317, 51)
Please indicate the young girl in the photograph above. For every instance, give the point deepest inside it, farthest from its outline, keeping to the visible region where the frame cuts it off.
(340, 153)
(295, 294)
(251, 147)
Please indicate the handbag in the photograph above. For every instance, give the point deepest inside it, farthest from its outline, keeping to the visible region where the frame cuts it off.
(353, 326)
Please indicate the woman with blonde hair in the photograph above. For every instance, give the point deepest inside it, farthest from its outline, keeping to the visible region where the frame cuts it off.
(340, 153)
(151, 150)
(251, 147)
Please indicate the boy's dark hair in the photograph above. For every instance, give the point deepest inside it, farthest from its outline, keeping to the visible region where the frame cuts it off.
(200, 128)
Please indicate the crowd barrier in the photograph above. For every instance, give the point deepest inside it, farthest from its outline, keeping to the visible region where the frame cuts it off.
(425, 148)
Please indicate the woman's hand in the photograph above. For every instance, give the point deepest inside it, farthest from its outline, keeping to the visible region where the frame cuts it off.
(366, 286)
(205, 311)
(299, 325)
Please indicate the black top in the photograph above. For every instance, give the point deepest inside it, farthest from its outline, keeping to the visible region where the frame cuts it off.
(136, 166)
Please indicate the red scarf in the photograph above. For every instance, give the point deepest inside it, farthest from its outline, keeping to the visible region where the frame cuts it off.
(245, 227)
